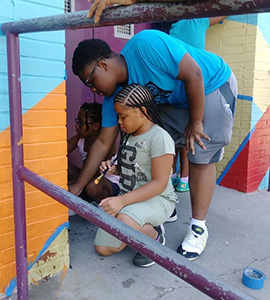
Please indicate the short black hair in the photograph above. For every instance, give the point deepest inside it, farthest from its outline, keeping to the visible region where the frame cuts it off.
(89, 51)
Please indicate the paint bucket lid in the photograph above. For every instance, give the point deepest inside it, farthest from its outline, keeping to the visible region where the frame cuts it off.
(253, 278)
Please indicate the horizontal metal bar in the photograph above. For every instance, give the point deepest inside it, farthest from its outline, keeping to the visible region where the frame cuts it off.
(140, 13)
(197, 276)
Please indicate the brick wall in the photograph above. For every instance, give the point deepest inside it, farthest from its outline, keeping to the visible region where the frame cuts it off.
(44, 139)
(244, 45)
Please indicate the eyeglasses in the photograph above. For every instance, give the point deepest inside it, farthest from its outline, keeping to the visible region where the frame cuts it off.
(80, 123)
(87, 83)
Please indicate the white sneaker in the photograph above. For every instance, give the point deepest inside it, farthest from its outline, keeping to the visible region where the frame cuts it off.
(194, 242)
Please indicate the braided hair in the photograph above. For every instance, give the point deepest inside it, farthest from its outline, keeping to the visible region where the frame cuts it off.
(92, 111)
(136, 95)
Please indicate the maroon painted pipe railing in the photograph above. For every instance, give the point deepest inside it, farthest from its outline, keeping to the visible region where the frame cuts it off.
(197, 276)
(141, 13)
(15, 104)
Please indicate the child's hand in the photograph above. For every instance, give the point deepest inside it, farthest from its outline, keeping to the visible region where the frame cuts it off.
(106, 164)
(112, 205)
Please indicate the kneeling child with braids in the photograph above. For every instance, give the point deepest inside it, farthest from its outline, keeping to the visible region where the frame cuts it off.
(146, 198)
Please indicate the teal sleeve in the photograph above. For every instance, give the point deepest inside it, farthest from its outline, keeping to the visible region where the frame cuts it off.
(109, 116)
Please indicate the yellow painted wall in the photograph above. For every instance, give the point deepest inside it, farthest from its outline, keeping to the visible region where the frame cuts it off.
(261, 92)
(236, 42)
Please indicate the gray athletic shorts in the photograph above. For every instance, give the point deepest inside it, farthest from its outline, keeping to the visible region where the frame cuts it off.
(219, 109)
(154, 211)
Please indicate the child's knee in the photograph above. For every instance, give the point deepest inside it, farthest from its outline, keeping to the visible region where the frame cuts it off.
(125, 219)
(107, 251)
(104, 251)
(91, 189)
(129, 221)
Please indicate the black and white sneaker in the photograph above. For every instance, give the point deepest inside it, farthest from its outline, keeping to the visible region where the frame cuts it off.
(143, 261)
(173, 217)
(194, 242)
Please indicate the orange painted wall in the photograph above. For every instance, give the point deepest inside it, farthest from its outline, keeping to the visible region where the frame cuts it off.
(44, 139)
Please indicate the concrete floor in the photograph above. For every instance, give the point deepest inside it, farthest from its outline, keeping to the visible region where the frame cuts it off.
(239, 237)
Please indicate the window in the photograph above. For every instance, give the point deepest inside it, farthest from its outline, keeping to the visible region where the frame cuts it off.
(124, 31)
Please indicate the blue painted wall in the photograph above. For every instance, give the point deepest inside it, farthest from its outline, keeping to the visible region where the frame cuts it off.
(42, 54)
(262, 20)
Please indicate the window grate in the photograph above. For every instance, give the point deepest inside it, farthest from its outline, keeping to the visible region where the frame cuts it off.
(124, 31)
(69, 6)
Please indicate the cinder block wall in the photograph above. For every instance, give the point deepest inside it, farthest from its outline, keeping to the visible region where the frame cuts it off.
(44, 140)
(243, 42)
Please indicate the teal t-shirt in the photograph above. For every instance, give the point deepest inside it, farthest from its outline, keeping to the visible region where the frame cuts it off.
(153, 59)
(191, 31)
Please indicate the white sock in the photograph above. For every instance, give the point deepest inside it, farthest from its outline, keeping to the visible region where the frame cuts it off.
(184, 179)
(199, 223)
(174, 175)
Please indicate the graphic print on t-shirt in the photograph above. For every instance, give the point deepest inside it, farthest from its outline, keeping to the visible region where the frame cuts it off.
(128, 175)
(158, 93)
(130, 168)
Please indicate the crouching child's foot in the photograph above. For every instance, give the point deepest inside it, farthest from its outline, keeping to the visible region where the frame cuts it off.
(143, 261)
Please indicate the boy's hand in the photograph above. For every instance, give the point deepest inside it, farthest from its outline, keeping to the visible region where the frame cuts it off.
(99, 5)
(112, 205)
(194, 133)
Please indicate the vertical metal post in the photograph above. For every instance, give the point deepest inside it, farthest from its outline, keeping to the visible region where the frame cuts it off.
(14, 82)
(269, 180)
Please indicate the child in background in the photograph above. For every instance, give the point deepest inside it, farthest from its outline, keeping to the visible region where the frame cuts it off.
(146, 197)
(180, 177)
(88, 124)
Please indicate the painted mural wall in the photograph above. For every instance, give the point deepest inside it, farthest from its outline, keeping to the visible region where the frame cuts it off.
(44, 138)
(243, 42)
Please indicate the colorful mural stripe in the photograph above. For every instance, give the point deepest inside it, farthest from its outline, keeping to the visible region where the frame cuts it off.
(13, 283)
(247, 174)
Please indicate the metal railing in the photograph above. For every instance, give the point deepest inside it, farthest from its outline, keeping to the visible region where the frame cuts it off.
(198, 277)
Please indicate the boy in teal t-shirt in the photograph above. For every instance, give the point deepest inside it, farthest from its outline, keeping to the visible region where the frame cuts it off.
(195, 91)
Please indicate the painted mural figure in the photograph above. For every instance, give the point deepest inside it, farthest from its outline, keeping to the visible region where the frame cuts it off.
(196, 94)
(146, 197)
(88, 124)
